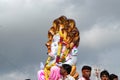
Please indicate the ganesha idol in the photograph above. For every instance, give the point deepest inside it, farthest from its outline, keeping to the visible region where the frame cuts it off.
(63, 41)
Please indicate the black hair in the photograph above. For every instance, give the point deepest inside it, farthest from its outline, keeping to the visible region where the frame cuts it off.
(86, 68)
(67, 67)
(112, 76)
(104, 72)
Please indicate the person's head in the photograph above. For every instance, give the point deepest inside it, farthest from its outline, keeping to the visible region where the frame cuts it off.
(86, 71)
(104, 75)
(65, 69)
(113, 77)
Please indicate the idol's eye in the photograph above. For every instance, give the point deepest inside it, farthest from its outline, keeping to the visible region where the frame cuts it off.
(55, 44)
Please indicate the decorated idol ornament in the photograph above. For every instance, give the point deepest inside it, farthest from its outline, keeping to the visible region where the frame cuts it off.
(62, 44)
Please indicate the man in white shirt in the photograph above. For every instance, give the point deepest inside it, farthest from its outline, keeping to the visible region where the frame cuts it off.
(86, 73)
(65, 70)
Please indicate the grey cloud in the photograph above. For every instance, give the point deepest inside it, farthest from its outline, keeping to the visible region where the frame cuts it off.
(92, 11)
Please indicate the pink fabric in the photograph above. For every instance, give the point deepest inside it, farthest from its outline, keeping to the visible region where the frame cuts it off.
(41, 75)
(54, 74)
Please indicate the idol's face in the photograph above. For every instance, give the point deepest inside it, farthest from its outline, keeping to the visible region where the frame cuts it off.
(54, 48)
(54, 45)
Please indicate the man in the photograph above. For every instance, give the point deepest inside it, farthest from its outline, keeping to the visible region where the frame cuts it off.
(86, 73)
(113, 77)
(65, 70)
(104, 75)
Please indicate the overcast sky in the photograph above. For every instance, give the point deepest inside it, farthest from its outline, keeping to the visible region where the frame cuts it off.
(23, 34)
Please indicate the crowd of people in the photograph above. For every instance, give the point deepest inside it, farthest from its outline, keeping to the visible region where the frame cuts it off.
(104, 75)
(65, 70)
